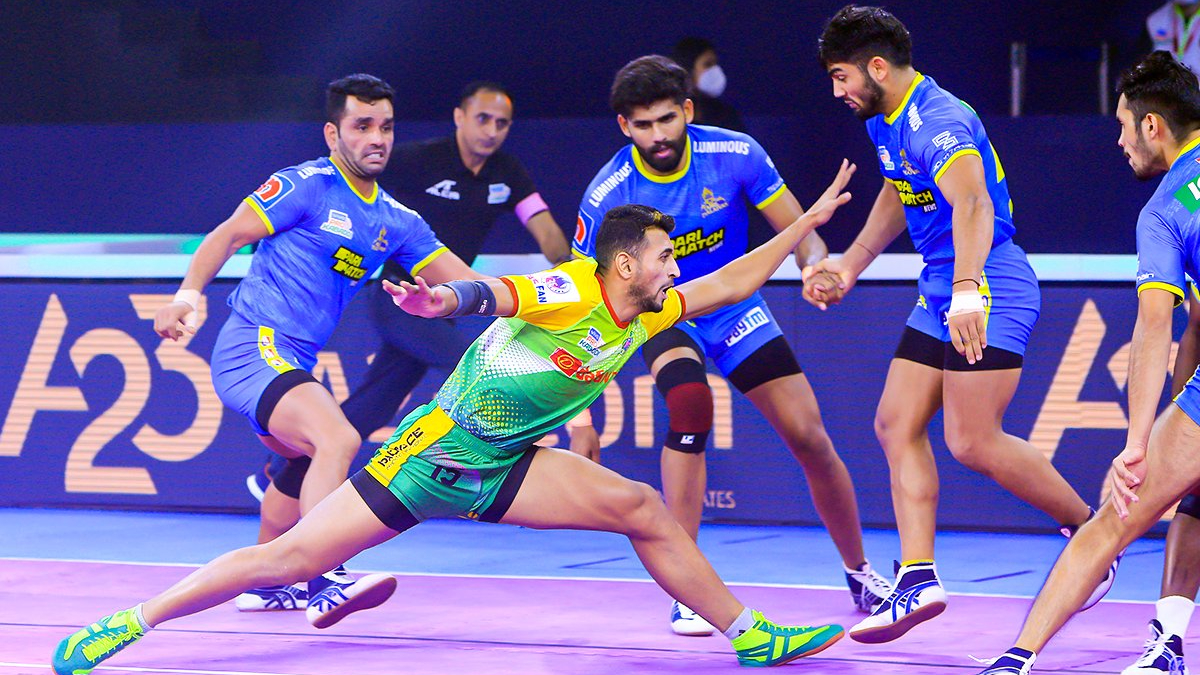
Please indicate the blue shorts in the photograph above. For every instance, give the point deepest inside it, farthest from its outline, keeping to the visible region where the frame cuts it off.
(1188, 400)
(732, 333)
(1011, 295)
(247, 358)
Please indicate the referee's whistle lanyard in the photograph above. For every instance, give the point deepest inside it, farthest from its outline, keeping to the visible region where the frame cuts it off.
(1185, 31)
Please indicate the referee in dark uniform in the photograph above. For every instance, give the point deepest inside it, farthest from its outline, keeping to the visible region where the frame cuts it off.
(461, 185)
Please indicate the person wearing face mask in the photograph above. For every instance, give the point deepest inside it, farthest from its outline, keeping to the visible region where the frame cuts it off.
(1174, 28)
(699, 57)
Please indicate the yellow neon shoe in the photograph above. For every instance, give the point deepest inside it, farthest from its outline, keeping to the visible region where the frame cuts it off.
(79, 653)
(769, 644)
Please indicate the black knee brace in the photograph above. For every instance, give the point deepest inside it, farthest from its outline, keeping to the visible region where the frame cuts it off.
(684, 384)
(1189, 506)
(291, 476)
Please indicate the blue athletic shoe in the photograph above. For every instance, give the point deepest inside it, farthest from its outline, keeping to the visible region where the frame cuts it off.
(272, 598)
(1015, 661)
(343, 596)
(1163, 654)
(917, 596)
(79, 653)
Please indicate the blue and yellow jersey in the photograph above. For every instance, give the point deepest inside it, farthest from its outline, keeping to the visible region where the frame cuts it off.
(325, 240)
(531, 372)
(720, 171)
(916, 143)
(1168, 228)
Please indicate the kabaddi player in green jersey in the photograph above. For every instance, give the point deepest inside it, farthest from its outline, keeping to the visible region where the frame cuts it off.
(470, 452)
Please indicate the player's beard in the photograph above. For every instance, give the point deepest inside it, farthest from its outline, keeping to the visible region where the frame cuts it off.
(668, 164)
(1138, 149)
(872, 99)
(645, 298)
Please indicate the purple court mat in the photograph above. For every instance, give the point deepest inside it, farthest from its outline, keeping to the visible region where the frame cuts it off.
(438, 625)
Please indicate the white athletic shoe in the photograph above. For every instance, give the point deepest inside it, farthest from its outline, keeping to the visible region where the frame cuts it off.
(686, 622)
(272, 599)
(868, 588)
(1163, 654)
(917, 596)
(342, 597)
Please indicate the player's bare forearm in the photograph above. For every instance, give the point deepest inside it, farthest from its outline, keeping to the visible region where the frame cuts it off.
(1149, 356)
(973, 222)
(242, 228)
(885, 222)
(811, 250)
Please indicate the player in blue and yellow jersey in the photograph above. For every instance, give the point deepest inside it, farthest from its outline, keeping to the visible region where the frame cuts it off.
(1159, 113)
(470, 452)
(978, 300)
(323, 227)
(704, 177)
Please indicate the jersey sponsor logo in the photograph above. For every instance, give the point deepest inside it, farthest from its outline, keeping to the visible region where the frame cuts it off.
(1189, 196)
(338, 223)
(276, 188)
(592, 342)
(1143, 277)
(498, 193)
(914, 118)
(728, 147)
(752, 321)
(381, 243)
(712, 203)
(696, 241)
(923, 199)
(310, 171)
(573, 367)
(269, 353)
(945, 140)
(885, 158)
(906, 166)
(609, 184)
(444, 189)
(348, 264)
(553, 287)
(580, 231)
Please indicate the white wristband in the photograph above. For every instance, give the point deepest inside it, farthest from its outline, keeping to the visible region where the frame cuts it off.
(966, 302)
(189, 297)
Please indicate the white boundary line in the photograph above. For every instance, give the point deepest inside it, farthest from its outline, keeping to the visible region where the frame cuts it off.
(534, 577)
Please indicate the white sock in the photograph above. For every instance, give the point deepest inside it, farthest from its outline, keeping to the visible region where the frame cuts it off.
(1174, 612)
(740, 625)
(137, 613)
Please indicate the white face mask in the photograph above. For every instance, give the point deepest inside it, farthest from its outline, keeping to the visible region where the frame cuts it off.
(712, 81)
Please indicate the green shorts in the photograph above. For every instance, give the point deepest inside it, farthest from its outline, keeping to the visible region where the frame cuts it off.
(432, 468)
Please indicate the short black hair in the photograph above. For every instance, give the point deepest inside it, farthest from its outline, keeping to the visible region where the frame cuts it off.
(359, 85)
(477, 86)
(624, 229)
(856, 34)
(1162, 85)
(689, 49)
(647, 80)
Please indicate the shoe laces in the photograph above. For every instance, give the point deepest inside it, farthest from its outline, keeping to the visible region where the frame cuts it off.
(1158, 643)
(109, 641)
(874, 582)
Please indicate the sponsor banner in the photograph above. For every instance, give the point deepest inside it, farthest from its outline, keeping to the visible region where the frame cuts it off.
(96, 410)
